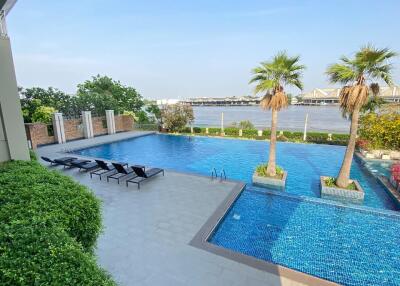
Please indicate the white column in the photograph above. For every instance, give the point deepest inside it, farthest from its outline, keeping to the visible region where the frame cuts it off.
(305, 128)
(110, 121)
(87, 124)
(58, 126)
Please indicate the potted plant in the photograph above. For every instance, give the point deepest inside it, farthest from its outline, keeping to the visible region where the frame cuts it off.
(262, 178)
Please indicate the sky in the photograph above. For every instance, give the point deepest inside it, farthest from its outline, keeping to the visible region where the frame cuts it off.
(181, 49)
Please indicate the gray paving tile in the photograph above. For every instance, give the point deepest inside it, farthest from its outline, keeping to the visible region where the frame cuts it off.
(146, 233)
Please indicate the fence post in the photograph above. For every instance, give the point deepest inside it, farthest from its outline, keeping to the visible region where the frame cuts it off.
(110, 121)
(305, 128)
(87, 124)
(58, 127)
(222, 124)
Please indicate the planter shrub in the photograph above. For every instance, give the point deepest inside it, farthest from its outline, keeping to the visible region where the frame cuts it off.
(214, 130)
(49, 228)
(250, 133)
(196, 129)
(231, 131)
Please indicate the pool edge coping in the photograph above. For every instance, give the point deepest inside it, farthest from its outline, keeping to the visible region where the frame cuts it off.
(200, 241)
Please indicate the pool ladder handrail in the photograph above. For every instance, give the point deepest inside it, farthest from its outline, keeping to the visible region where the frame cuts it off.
(215, 173)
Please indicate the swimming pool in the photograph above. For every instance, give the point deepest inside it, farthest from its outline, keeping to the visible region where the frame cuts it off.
(305, 163)
(349, 245)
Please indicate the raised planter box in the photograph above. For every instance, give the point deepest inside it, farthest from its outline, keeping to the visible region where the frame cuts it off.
(341, 194)
(270, 182)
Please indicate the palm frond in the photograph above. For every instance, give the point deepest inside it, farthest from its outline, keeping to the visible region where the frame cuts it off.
(353, 97)
(341, 73)
(276, 101)
(374, 87)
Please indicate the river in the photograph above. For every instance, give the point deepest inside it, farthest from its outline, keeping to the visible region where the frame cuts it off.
(320, 118)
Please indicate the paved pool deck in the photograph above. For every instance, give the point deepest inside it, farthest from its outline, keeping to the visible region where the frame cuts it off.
(147, 233)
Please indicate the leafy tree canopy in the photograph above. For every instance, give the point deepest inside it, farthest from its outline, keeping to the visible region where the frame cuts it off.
(102, 92)
(97, 95)
(176, 116)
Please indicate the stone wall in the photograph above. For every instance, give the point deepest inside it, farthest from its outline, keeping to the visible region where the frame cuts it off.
(38, 133)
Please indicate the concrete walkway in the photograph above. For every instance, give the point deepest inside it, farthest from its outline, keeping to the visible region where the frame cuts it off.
(147, 233)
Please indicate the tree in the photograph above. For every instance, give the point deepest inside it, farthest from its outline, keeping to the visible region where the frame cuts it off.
(271, 77)
(154, 111)
(368, 64)
(103, 93)
(33, 98)
(246, 124)
(43, 114)
(176, 116)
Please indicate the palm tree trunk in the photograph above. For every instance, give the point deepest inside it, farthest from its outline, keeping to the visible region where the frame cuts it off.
(342, 180)
(271, 169)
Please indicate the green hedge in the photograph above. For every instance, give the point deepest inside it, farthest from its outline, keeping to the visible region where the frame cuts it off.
(49, 226)
(291, 136)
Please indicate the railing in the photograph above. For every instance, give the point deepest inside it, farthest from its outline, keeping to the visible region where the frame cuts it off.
(214, 174)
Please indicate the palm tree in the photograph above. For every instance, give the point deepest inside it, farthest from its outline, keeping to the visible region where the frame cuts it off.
(271, 77)
(368, 64)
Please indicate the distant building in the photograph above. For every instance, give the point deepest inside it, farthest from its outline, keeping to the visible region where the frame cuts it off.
(167, 101)
(223, 101)
(322, 96)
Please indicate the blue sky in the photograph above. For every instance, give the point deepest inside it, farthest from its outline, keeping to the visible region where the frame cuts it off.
(179, 49)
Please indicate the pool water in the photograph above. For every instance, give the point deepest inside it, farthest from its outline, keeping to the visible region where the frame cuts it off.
(340, 244)
(305, 163)
(347, 244)
(379, 168)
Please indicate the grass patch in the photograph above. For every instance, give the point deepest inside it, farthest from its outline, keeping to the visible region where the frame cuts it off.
(331, 182)
(261, 171)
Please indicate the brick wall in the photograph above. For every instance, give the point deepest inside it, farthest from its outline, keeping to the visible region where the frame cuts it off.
(38, 134)
(73, 129)
(99, 128)
(123, 123)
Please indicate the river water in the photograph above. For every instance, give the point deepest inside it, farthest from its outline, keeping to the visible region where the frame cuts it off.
(320, 118)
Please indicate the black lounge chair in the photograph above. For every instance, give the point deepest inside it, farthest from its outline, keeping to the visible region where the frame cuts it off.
(122, 172)
(72, 163)
(143, 175)
(104, 169)
(58, 160)
(87, 166)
